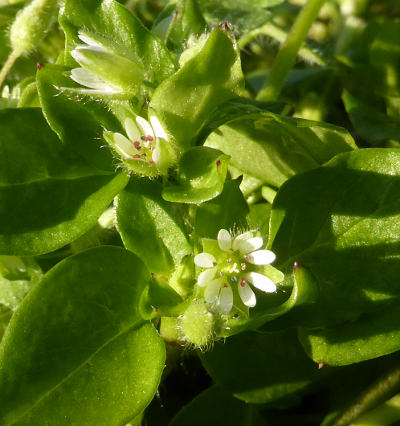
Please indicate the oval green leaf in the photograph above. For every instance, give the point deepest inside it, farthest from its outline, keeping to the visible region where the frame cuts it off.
(78, 351)
(48, 195)
(341, 222)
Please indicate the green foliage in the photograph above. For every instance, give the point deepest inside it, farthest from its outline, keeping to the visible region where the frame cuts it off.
(175, 251)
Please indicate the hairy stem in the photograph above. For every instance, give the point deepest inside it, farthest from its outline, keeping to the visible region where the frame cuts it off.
(287, 54)
(14, 55)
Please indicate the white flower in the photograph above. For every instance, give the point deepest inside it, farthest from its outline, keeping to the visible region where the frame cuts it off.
(240, 262)
(145, 141)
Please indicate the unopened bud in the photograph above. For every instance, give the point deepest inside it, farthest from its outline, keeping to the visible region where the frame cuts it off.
(31, 25)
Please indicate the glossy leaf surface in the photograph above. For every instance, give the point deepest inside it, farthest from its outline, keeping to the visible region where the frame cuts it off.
(48, 195)
(340, 222)
(151, 227)
(78, 349)
(184, 101)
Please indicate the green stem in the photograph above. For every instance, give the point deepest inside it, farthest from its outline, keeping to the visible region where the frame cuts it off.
(277, 33)
(286, 56)
(379, 391)
(14, 55)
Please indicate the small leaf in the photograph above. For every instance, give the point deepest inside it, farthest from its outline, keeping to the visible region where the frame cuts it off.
(78, 121)
(184, 101)
(371, 124)
(227, 211)
(151, 227)
(201, 176)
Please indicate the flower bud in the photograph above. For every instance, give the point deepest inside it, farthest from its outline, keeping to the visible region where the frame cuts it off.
(31, 25)
(105, 71)
(198, 324)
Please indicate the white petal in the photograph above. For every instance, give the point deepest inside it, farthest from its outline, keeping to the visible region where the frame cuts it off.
(124, 145)
(225, 300)
(261, 257)
(205, 260)
(240, 238)
(212, 291)
(251, 244)
(132, 130)
(88, 40)
(156, 155)
(224, 240)
(158, 128)
(261, 282)
(88, 79)
(145, 127)
(206, 276)
(247, 295)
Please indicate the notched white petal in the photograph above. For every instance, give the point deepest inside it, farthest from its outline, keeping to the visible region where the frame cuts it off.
(132, 130)
(158, 128)
(240, 238)
(88, 40)
(206, 276)
(88, 79)
(145, 127)
(156, 156)
(212, 291)
(250, 245)
(247, 295)
(225, 300)
(261, 282)
(224, 240)
(124, 145)
(205, 260)
(261, 257)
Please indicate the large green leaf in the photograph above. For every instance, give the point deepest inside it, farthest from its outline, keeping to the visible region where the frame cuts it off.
(78, 351)
(115, 24)
(272, 147)
(48, 195)
(370, 336)
(184, 101)
(151, 227)
(259, 367)
(341, 222)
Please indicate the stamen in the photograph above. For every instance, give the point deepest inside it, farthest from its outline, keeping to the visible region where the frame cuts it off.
(144, 138)
(243, 266)
(229, 260)
(234, 279)
(221, 274)
(136, 156)
(247, 257)
(136, 144)
(218, 162)
(243, 282)
(149, 138)
(143, 155)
